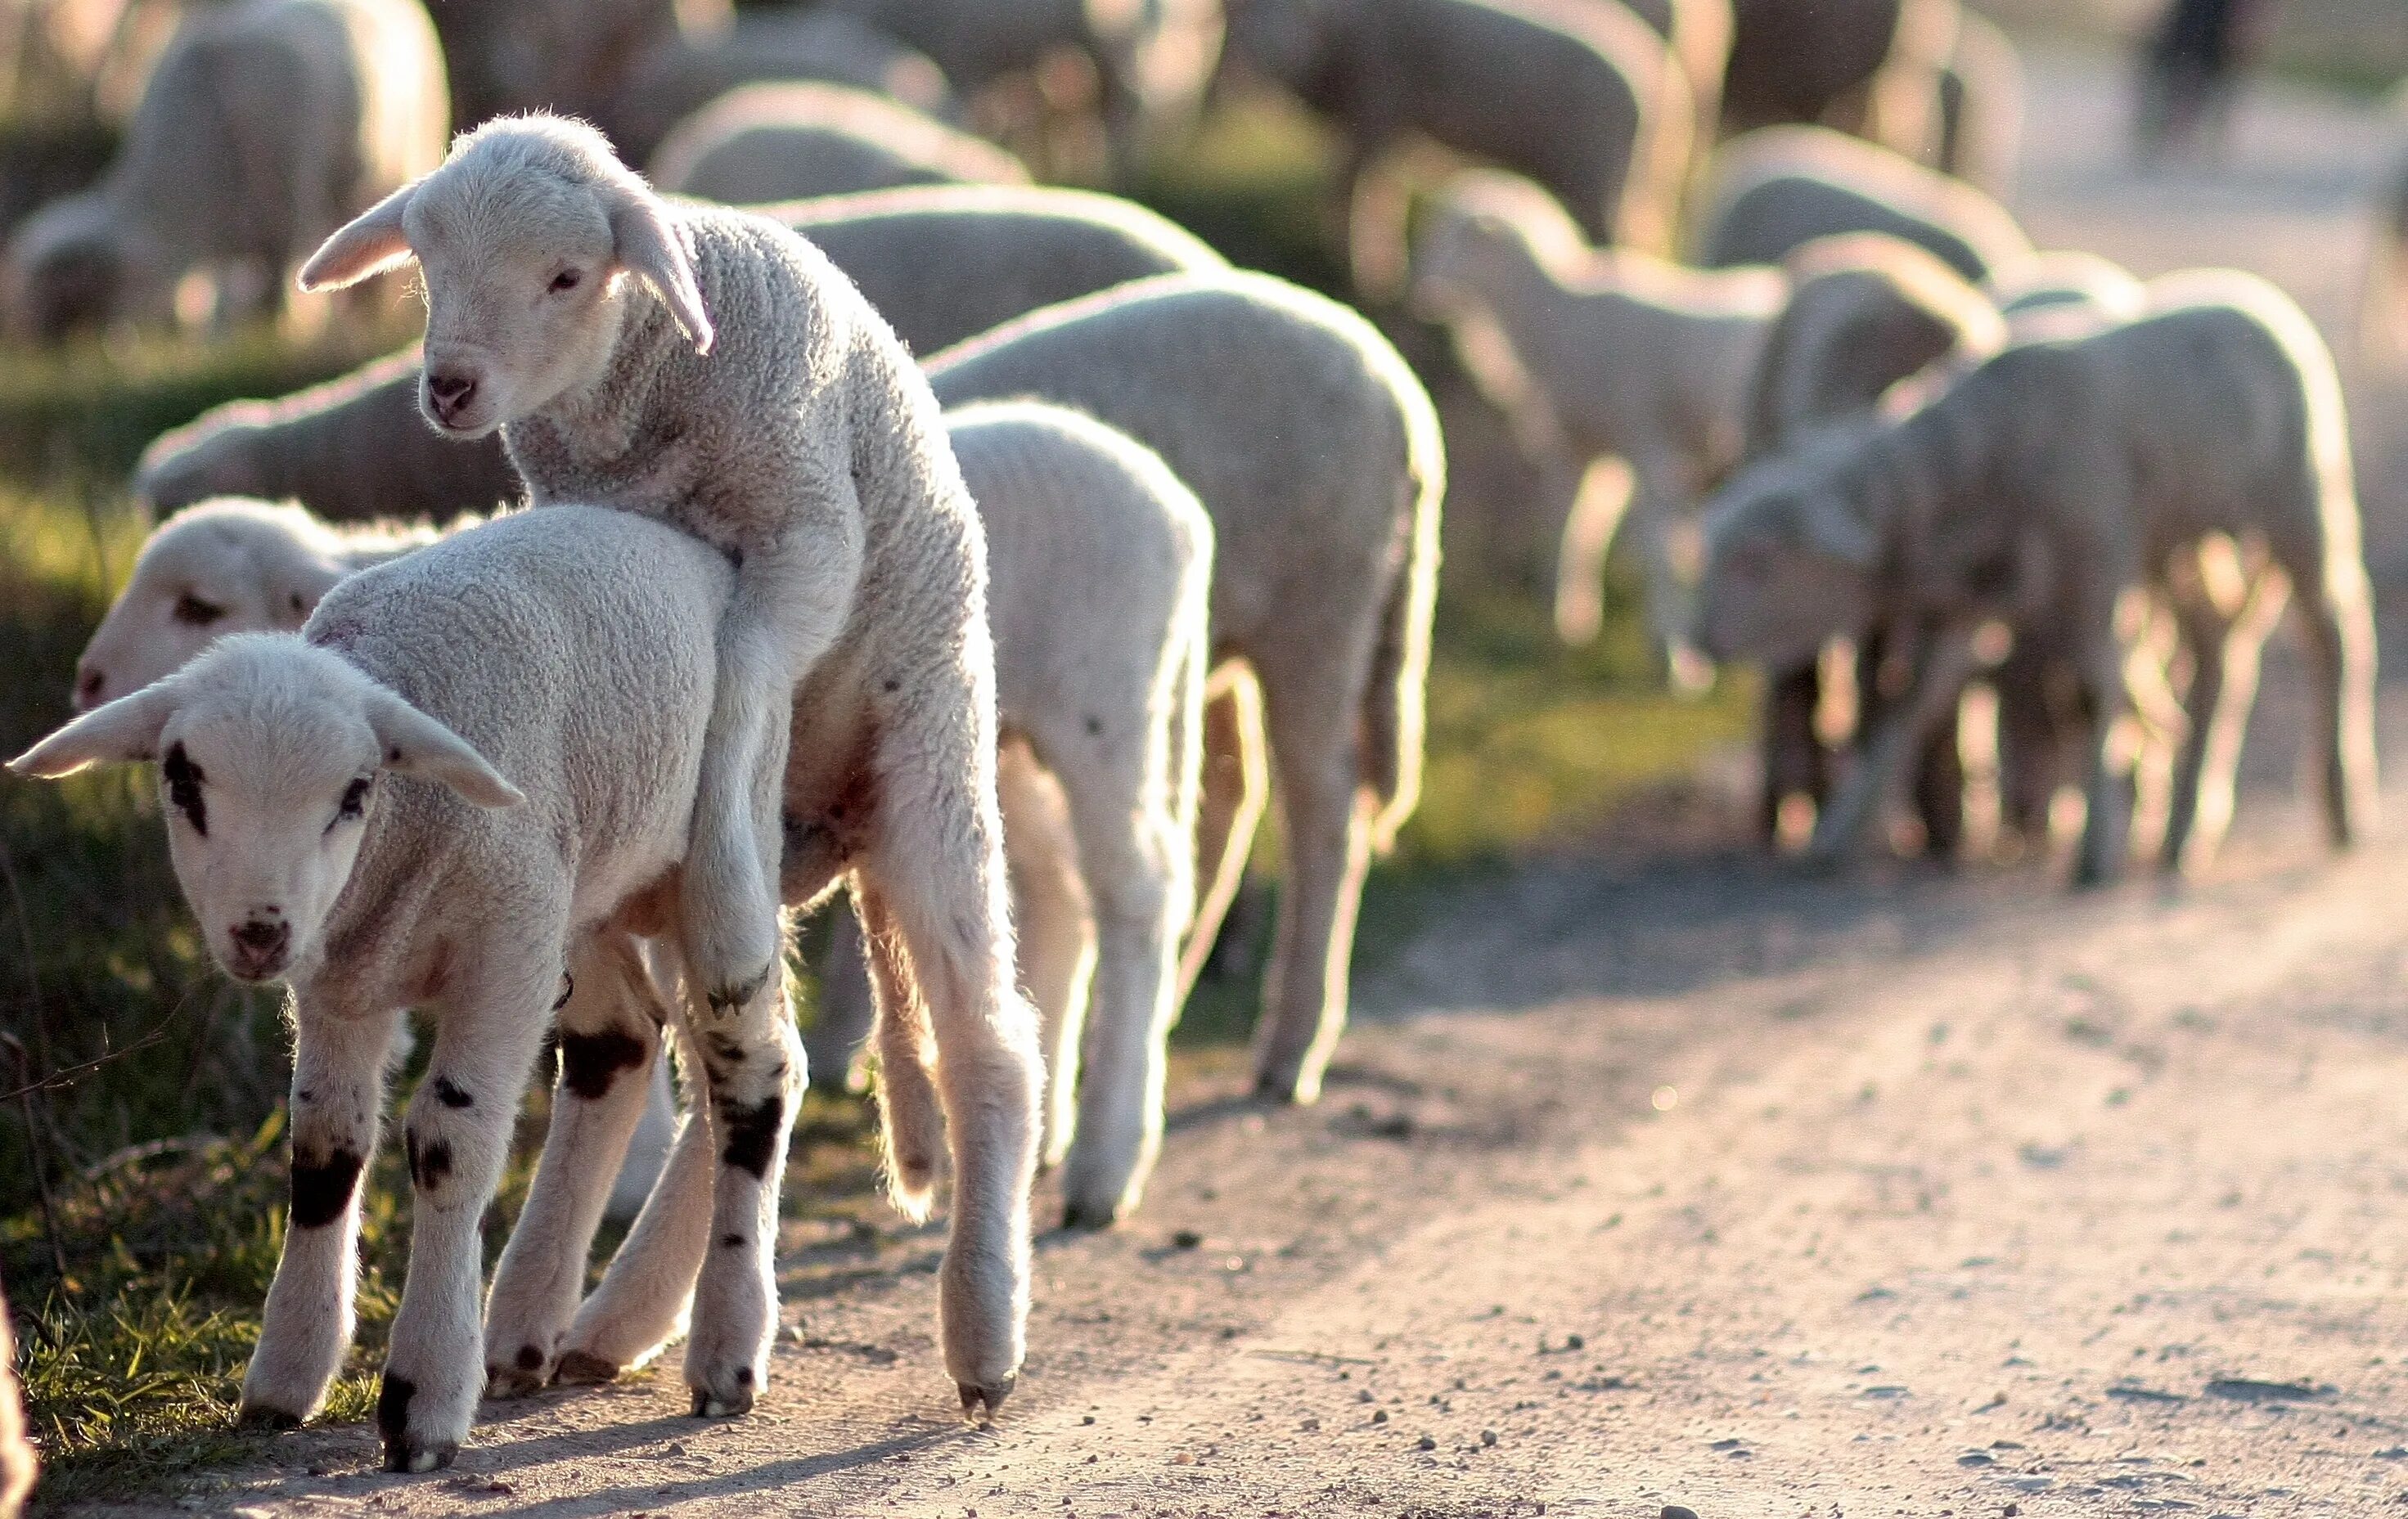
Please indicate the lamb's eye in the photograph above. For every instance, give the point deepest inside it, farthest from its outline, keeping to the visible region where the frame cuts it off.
(192, 610)
(356, 800)
(567, 279)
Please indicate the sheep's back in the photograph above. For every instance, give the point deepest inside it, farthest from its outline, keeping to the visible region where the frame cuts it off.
(1780, 188)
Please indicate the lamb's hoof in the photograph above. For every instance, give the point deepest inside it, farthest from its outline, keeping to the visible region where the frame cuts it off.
(259, 1416)
(1285, 1091)
(583, 1369)
(1088, 1216)
(728, 998)
(412, 1456)
(512, 1381)
(708, 1405)
(990, 1398)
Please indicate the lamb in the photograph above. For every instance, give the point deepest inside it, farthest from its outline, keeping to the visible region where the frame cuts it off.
(711, 368)
(2044, 487)
(472, 769)
(942, 263)
(1324, 572)
(1584, 100)
(1779, 188)
(1867, 313)
(774, 142)
(301, 112)
(565, 55)
(1611, 354)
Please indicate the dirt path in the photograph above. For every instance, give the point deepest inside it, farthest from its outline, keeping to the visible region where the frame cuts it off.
(1694, 1184)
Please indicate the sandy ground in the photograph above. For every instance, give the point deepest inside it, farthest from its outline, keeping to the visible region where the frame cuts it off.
(1693, 1182)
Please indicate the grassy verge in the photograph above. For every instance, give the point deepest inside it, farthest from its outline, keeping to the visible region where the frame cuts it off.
(142, 1176)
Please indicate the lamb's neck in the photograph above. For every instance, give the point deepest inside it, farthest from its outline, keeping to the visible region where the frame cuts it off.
(601, 442)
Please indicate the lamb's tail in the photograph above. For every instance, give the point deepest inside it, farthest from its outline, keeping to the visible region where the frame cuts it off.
(1394, 714)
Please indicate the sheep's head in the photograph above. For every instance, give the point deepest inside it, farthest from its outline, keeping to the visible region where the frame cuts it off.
(526, 240)
(1486, 227)
(1790, 560)
(270, 755)
(76, 266)
(224, 566)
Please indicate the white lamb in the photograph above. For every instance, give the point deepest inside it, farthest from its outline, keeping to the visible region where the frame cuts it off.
(787, 141)
(1599, 355)
(1318, 455)
(471, 771)
(296, 112)
(2041, 490)
(574, 309)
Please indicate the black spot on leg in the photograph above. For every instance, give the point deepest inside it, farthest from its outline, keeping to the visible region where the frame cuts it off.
(752, 1132)
(893, 685)
(322, 1189)
(392, 1408)
(733, 1241)
(448, 1092)
(429, 1162)
(590, 1063)
(530, 1358)
(1095, 727)
(723, 1050)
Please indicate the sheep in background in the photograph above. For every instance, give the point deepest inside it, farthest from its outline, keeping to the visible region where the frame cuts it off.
(1979, 131)
(775, 142)
(688, 69)
(1865, 313)
(565, 55)
(1323, 576)
(1793, 63)
(264, 126)
(472, 769)
(713, 368)
(942, 263)
(2040, 490)
(1699, 33)
(2065, 278)
(1778, 189)
(1599, 355)
(1579, 99)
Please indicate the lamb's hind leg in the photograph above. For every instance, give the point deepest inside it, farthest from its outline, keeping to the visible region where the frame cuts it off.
(337, 1095)
(1053, 921)
(610, 1026)
(2337, 625)
(484, 1045)
(1235, 788)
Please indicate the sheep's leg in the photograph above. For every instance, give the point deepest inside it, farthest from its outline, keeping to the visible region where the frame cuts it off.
(933, 904)
(641, 1301)
(1939, 787)
(609, 1043)
(2337, 626)
(843, 1011)
(1601, 495)
(2107, 701)
(1133, 857)
(1896, 739)
(1327, 816)
(1377, 200)
(2217, 728)
(2031, 739)
(1669, 553)
(337, 1095)
(648, 1148)
(458, 1133)
(1794, 762)
(1055, 922)
(1235, 790)
(911, 1114)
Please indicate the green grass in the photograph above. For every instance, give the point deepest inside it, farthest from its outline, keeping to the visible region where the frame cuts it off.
(142, 1176)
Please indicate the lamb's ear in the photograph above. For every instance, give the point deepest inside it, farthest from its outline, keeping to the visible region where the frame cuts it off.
(123, 731)
(371, 244)
(649, 248)
(415, 744)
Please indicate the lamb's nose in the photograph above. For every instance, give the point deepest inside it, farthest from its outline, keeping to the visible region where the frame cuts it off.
(261, 943)
(88, 682)
(451, 388)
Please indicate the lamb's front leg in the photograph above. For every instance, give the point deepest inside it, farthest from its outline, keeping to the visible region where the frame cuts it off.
(458, 1133)
(792, 600)
(1946, 663)
(337, 1095)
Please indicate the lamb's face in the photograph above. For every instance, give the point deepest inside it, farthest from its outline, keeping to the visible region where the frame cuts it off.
(71, 268)
(1445, 261)
(1781, 577)
(197, 580)
(521, 298)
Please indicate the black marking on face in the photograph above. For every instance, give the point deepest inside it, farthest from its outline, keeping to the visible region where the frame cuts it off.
(530, 1358)
(733, 1241)
(193, 610)
(322, 1189)
(753, 1134)
(392, 1408)
(590, 1064)
(744, 1376)
(184, 780)
(430, 1163)
(448, 1092)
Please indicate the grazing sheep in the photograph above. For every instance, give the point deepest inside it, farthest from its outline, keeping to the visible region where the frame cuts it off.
(565, 55)
(1599, 355)
(1865, 313)
(711, 368)
(2061, 279)
(1576, 97)
(770, 142)
(1779, 188)
(471, 770)
(1791, 62)
(266, 123)
(2044, 487)
(682, 72)
(1324, 572)
(1153, 58)
(942, 263)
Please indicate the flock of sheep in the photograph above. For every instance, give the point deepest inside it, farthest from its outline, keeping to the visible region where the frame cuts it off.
(989, 551)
